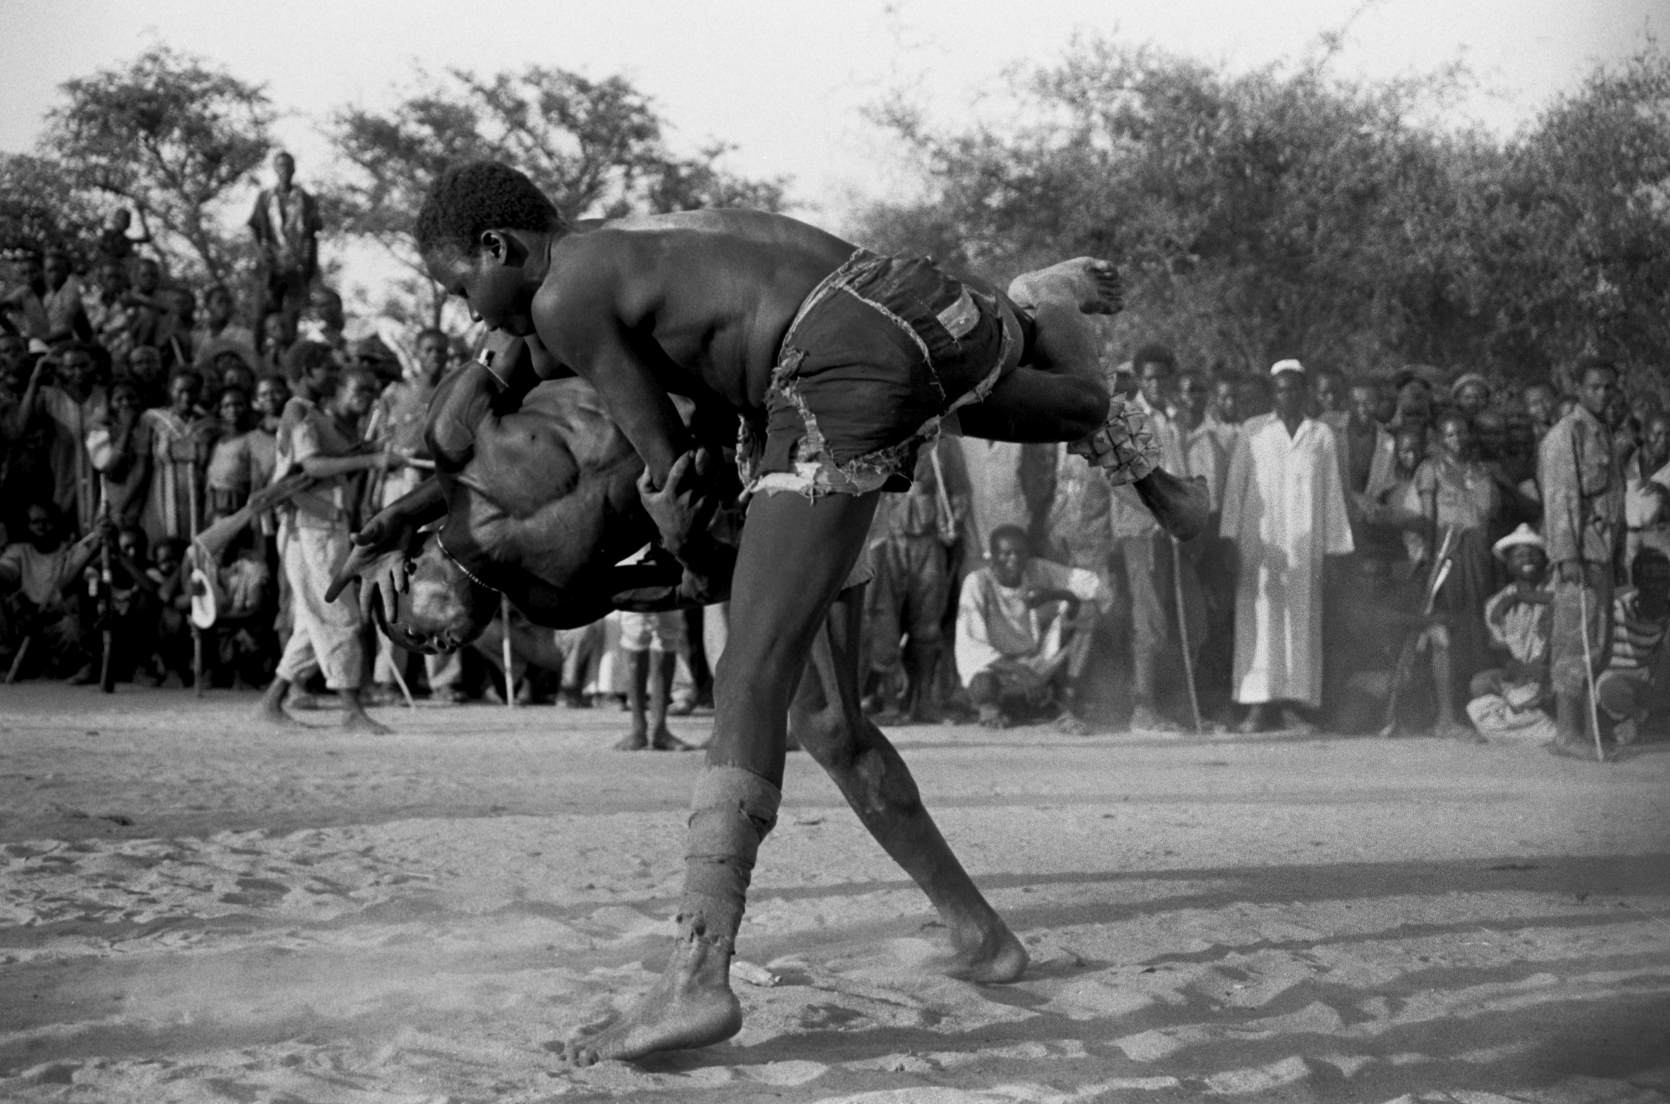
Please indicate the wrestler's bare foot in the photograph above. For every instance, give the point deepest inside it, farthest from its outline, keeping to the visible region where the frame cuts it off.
(633, 741)
(993, 717)
(1090, 284)
(986, 952)
(691, 1006)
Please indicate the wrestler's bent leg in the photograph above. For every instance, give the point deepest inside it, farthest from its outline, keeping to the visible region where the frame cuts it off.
(876, 783)
(795, 554)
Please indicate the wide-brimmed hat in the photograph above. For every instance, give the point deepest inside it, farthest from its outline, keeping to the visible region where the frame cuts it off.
(1523, 535)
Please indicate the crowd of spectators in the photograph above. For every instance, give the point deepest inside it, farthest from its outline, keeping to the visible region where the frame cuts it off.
(1427, 552)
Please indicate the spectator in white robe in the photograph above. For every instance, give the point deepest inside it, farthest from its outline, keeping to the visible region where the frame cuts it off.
(1284, 508)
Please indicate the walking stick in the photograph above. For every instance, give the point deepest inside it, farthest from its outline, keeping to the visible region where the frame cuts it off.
(504, 652)
(1183, 632)
(400, 681)
(1589, 670)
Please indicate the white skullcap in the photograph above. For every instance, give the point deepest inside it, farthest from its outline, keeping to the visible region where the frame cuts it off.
(1288, 365)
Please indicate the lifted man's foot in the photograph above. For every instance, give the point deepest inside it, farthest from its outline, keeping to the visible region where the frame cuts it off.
(1091, 284)
(690, 1006)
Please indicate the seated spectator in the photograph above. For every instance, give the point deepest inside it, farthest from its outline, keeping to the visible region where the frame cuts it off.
(169, 581)
(246, 648)
(40, 581)
(1024, 628)
(1509, 701)
(133, 607)
(1641, 614)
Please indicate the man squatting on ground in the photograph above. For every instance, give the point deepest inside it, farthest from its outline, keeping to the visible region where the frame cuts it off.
(842, 364)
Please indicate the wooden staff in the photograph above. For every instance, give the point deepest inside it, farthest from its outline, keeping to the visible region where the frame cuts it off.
(504, 651)
(1440, 571)
(1183, 632)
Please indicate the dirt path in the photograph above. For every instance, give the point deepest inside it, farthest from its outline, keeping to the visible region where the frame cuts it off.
(196, 909)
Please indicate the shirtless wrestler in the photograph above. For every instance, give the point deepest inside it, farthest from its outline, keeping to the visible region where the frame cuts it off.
(554, 544)
(842, 364)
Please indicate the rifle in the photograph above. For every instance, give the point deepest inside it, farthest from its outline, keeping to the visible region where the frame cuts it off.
(1442, 562)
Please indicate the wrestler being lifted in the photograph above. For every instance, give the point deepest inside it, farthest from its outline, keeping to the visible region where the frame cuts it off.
(842, 363)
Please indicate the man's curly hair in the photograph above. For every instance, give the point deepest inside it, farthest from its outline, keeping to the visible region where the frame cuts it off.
(478, 196)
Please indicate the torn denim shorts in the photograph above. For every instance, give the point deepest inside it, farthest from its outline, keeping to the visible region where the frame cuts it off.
(877, 355)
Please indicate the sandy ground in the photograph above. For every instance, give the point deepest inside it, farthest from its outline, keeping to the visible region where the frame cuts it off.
(194, 909)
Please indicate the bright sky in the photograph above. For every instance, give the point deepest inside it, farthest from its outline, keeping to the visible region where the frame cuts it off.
(785, 81)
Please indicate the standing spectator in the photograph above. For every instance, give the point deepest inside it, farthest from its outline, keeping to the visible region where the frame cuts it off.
(1368, 452)
(1024, 627)
(66, 318)
(1470, 395)
(143, 367)
(119, 447)
(1414, 400)
(1284, 507)
(173, 498)
(652, 643)
(1541, 402)
(174, 334)
(1224, 416)
(115, 244)
(285, 224)
(23, 296)
(1206, 562)
(220, 331)
(1583, 523)
(109, 311)
(400, 419)
(907, 599)
(1328, 396)
(1142, 560)
(229, 477)
(72, 407)
(1459, 493)
(320, 435)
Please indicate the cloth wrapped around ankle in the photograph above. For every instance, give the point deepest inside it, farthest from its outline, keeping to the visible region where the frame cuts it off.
(1125, 448)
(732, 811)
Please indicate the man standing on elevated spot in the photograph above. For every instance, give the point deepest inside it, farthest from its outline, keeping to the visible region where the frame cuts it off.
(842, 364)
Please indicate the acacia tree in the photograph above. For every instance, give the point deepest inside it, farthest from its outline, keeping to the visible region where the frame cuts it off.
(1272, 214)
(173, 137)
(594, 146)
(41, 206)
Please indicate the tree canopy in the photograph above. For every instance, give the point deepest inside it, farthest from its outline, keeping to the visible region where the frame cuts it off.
(172, 136)
(1284, 213)
(596, 147)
